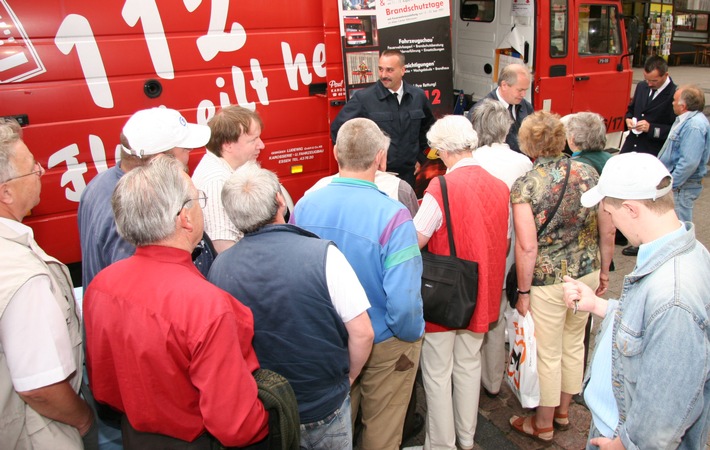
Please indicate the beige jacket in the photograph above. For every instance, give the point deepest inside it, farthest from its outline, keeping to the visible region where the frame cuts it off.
(21, 427)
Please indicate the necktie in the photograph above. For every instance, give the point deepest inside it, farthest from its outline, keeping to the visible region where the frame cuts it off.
(396, 97)
(650, 97)
(510, 110)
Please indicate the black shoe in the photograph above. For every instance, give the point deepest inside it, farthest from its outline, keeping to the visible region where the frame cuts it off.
(417, 423)
(620, 239)
(489, 394)
(630, 251)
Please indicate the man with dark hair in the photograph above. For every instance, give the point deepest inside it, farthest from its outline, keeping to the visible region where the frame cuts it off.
(648, 385)
(650, 114)
(649, 118)
(687, 149)
(513, 83)
(41, 355)
(400, 109)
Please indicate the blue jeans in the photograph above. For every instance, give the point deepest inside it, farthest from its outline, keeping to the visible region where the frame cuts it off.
(684, 198)
(334, 432)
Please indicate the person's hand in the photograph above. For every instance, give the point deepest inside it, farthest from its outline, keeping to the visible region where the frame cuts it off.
(417, 168)
(643, 126)
(607, 444)
(603, 284)
(630, 123)
(576, 291)
(523, 305)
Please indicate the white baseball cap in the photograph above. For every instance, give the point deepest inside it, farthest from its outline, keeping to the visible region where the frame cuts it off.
(629, 176)
(157, 130)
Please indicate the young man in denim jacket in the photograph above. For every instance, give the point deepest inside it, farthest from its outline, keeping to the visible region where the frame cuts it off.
(649, 381)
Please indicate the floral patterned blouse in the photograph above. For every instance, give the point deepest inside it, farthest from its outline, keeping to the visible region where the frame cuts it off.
(570, 243)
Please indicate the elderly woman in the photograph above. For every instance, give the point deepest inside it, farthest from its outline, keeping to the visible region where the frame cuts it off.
(578, 242)
(478, 204)
(586, 137)
(491, 121)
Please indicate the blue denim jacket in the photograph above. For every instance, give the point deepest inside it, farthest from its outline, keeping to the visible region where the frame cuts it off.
(687, 149)
(661, 348)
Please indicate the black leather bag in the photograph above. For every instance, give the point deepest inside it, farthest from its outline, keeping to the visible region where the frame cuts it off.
(511, 280)
(449, 284)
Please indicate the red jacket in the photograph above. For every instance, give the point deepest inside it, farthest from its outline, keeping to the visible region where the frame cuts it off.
(479, 213)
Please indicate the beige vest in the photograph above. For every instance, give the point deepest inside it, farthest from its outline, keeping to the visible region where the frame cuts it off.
(21, 427)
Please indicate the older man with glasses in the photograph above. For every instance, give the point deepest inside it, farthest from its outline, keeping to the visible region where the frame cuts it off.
(169, 350)
(38, 318)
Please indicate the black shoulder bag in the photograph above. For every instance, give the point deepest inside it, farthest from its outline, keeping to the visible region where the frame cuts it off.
(449, 284)
(511, 280)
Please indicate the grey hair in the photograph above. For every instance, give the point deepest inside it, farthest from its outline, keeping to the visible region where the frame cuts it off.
(10, 133)
(510, 73)
(453, 134)
(692, 97)
(148, 199)
(491, 121)
(587, 130)
(358, 142)
(249, 197)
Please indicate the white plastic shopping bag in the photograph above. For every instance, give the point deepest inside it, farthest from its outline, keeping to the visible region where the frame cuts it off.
(522, 366)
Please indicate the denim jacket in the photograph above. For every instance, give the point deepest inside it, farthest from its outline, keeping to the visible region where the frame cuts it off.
(661, 348)
(687, 149)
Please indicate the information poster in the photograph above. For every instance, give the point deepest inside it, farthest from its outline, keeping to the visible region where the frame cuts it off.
(420, 29)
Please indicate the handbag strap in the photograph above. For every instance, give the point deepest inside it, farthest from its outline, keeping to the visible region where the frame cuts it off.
(559, 200)
(447, 213)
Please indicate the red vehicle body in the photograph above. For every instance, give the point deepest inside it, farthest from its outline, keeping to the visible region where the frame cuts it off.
(354, 31)
(73, 71)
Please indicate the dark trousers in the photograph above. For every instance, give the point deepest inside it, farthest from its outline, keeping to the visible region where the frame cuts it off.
(137, 440)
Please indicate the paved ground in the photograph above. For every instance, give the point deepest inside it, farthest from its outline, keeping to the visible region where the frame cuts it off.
(494, 431)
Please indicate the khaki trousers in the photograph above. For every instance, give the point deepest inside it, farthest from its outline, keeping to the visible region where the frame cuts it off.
(382, 392)
(560, 340)
(451, 358)
(493, 351)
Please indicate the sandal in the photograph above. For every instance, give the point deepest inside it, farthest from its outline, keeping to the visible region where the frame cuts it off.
(561, 421)
(526, 426)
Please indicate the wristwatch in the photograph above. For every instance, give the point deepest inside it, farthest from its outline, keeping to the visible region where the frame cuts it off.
(522, 292)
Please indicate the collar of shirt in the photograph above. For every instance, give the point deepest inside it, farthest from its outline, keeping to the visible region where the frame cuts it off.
(353, 182)
(399, 92)
(166, 254)
(219, 160)
(649, 248)
(18, 227)
(660, 89)
(468, 161)
(500, 99)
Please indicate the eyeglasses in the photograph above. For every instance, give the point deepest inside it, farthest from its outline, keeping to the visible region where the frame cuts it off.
(201, 198)
(38, 170)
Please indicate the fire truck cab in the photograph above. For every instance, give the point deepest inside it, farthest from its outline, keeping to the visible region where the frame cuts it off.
(576, 49)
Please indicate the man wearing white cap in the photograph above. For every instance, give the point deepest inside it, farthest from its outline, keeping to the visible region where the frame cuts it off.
(649, 382)
(147, 133)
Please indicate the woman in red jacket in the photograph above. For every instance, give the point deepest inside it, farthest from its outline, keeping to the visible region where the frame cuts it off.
(480, 224)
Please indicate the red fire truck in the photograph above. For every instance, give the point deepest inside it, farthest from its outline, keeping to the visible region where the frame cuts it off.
(73, 71)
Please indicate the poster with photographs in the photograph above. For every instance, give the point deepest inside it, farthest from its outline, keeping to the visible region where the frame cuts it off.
(420, 29)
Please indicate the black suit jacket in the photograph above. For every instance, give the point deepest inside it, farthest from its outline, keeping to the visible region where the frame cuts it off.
(659, 113)
(522, 110)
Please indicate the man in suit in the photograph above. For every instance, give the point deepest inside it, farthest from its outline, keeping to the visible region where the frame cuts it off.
(400, 109)
(513, 84)
(650, 114)
(649, 118)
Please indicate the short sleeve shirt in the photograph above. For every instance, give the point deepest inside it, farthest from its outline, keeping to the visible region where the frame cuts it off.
(570, 243)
